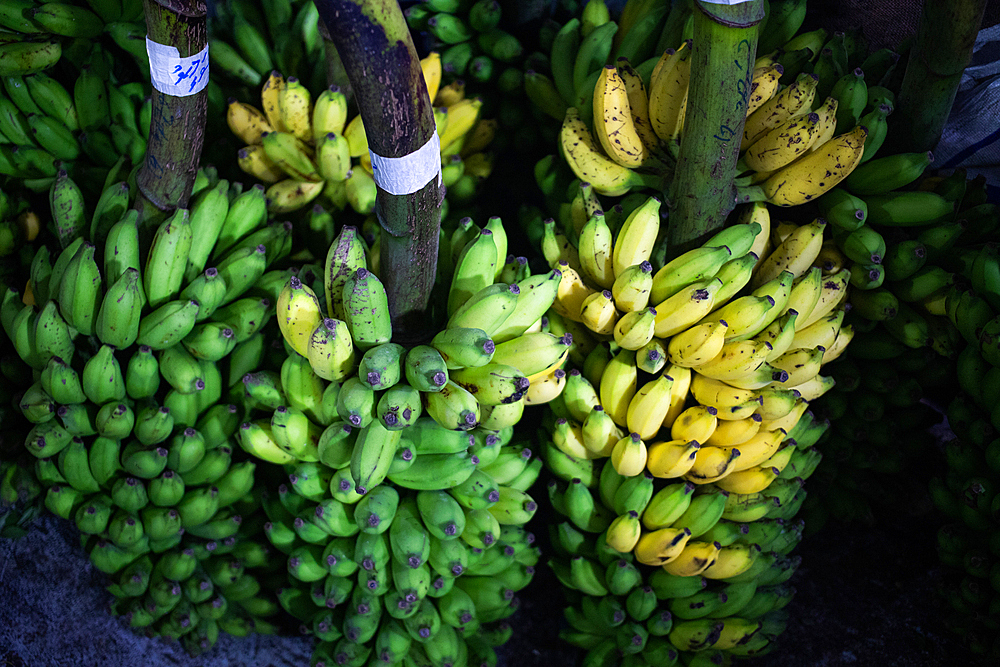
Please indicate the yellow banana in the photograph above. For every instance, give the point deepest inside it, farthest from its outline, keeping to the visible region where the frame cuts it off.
(763, 86)
(589, 163)
(247, 121)
(696, 423)
(613, 122)
(788, 102)
(671, 458)
(694, 559)
(816, 172)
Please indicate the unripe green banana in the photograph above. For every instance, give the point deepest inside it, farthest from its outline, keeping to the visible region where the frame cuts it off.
(246, 213)
(209, 211)
(120, 312)
(487, 309)
(92, 517)
(366, 310)
(244, 316)
(241, 268)
(80, 290)
(168, 325)
(373, 453)
(62, 383)
(146, 463)
(102, 377)
(453, 407)
(210, 341)
(198, 506)
(163, 274)
(399, 407)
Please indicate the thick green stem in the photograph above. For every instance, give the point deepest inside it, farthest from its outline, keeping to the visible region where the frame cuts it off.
(381, 61)
(940, 53)
(177, 132)
(703, 193)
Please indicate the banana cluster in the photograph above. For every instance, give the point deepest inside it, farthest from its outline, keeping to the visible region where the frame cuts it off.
(477, 373)
(134, 354)
(90, 128)
(35, 32)
(402, 473)
(965, 492)
(247, 40)
(878, 434)
(468, 35)
(701, 373)
(424, 569)
(306, 149)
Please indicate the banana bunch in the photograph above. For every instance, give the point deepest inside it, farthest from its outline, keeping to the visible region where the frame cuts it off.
(402, 472)
(95, 126)
(965, 493)
(306, 149)
(468, 35)
(248, 40)
(477, 373)
(817, 109)
(878, 439)
(35, 33)
(702, 374)
(136, 394)
(428, 571)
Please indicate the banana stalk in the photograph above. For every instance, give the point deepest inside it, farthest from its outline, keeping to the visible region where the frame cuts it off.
(940, 53)
(381, 61)
(178, 133)
(702, 192)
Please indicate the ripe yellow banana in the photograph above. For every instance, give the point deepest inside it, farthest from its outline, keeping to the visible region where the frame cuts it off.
(668, 90)
(589, 163)
(247, 121)
(783, 144)
(818, 171)
(613, 122)
(763, 86)
(795, 254)
(671, 458)
(788, 102)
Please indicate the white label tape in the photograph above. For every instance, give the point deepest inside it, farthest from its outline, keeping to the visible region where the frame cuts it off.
(174, 75)
(408, 174)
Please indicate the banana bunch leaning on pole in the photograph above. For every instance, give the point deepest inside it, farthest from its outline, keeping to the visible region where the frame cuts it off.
(701, 373)
(406, 496)
(308, 149)
(137, 337)
(95, 128)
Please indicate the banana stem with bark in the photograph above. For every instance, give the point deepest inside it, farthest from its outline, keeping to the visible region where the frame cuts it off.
(374, 43)
(177, 131)
(703, 193)
(940, 53)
